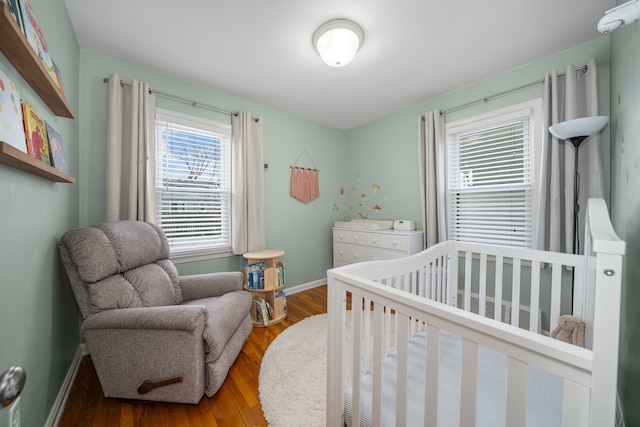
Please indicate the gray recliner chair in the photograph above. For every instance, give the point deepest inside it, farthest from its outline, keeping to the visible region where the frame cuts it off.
(153, 335)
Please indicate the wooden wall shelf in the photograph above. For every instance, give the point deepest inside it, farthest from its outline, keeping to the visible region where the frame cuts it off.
(15, 158)
(16, 48)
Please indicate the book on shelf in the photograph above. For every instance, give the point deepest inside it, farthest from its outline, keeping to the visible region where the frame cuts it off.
(35, 37)
(255, 275)
(262, 314)
(270, 314)
(280, 273)
(36, 134)
(14, 11)
(11, 127)
(56, 152)
(280, 303)
(58, 78)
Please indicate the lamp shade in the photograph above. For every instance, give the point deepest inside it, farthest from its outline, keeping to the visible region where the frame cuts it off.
(337, 41)
(584, 126)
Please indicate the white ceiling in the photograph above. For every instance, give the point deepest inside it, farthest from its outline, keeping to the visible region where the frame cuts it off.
(261, 49)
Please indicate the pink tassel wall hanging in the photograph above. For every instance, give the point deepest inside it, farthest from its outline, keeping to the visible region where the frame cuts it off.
(305, 182)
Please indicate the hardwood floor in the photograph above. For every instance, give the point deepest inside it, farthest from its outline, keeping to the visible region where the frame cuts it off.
(236, 404)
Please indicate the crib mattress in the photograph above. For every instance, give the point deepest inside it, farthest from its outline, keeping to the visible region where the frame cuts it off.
(544, 404)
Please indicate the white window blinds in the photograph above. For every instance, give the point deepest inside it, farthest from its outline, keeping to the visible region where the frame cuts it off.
(193, 197)
(490, 186)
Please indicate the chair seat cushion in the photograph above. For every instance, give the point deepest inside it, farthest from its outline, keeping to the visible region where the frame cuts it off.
(226, 313)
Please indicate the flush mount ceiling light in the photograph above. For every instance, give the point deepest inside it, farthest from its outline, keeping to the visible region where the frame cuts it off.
(337, 41)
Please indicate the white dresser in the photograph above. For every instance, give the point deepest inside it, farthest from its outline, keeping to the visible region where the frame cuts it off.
(351, 245)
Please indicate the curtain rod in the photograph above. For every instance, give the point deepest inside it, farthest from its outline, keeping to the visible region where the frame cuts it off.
(504, 92)
(180, 99)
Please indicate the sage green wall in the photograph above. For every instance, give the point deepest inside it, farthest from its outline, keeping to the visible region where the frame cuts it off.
(301, 230)
(385, 151)
(625, 203)
(38, 316)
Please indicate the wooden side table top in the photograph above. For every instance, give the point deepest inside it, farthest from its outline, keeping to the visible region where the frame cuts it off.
(265, 254)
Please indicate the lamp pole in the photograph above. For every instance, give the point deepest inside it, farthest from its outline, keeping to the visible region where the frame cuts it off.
(576, 141)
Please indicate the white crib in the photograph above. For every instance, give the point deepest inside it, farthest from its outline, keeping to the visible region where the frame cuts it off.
(494, 300)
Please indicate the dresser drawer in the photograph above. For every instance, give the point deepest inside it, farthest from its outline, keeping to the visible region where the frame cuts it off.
(347, 253)
(388, 241)
(349, 236)
(374, 254)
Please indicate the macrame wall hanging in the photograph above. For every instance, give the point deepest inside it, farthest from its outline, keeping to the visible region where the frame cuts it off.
(305, 182)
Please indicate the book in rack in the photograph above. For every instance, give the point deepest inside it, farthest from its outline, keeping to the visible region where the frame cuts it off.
(56, 153)
(11, 127)
(36, 134)
(35, 37)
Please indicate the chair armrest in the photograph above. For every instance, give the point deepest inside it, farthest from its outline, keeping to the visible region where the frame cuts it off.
(210, 284)
(176, 318)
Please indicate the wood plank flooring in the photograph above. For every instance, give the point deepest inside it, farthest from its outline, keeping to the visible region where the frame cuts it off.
(236, 404)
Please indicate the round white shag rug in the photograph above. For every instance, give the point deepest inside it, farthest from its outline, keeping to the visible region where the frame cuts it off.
(293, 375)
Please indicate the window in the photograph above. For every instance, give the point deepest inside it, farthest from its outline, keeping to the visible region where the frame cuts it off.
(193, 183)
(490, 186)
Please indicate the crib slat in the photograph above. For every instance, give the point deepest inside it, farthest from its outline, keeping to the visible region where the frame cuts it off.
(435, 270)
(356, 326)
(367, 330)
(497, 309)
(414, 283)
(556, 292)
(468, 383)
(515, 293)
(431, 379)
(483, 284)
(579, 300)
(433, 279)
(443, 265)
(378, 320)
(467, 281)
(452, 279)
(387, 332)
(516, 404)
(535, 296)
(575, 398)
(336, 305)
(402, 371)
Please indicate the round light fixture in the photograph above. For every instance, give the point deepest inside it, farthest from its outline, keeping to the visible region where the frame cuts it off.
(337, 41)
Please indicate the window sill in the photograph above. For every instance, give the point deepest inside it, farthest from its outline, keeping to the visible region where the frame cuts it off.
(184, 257)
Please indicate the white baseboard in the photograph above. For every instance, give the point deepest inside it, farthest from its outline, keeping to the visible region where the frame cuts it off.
(63, 393)
(305, 286)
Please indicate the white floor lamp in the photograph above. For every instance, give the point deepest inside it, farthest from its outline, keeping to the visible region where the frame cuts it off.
(575, 131)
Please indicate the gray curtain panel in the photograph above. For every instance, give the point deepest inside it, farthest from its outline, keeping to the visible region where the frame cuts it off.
(247, 184)
(566, 97)
(130, 151)
(432, 177)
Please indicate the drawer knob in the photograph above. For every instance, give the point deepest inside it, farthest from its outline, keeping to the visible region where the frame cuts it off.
(375, 240)
(355, 256)
(355, 238)
(395, 243)
(341, 252)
